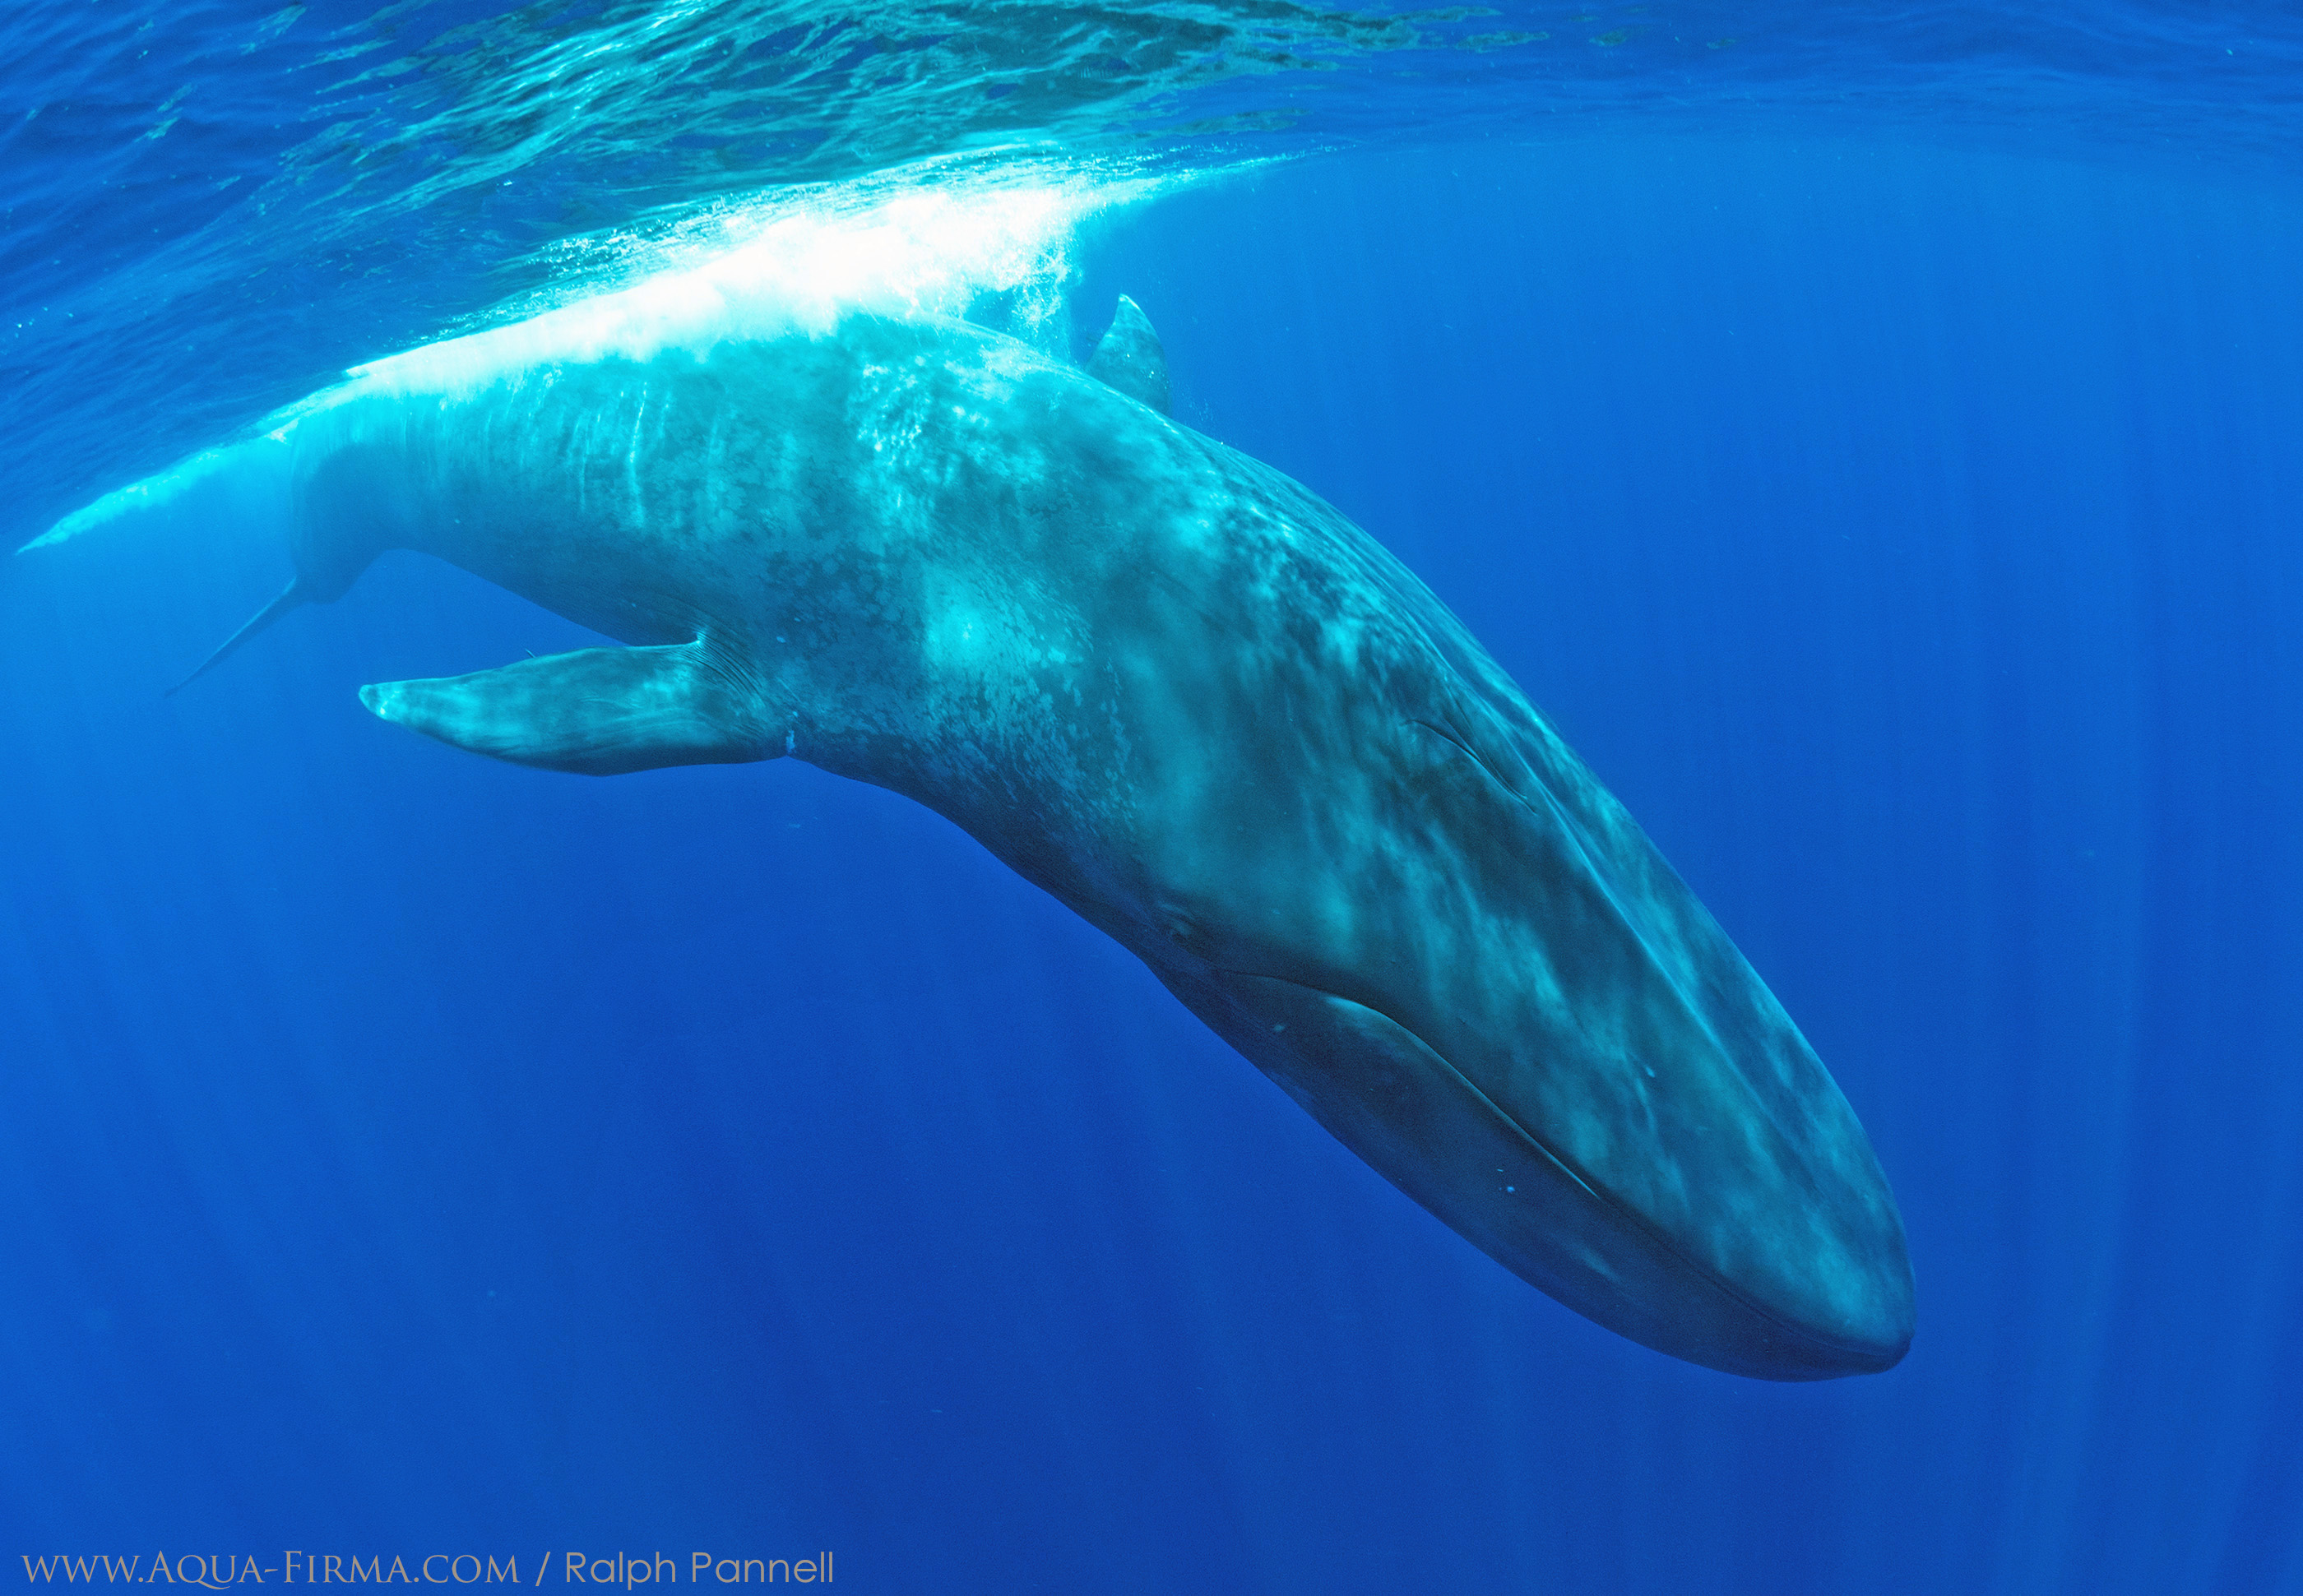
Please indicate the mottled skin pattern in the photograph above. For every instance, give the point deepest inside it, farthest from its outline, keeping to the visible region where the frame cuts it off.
(1194, 702)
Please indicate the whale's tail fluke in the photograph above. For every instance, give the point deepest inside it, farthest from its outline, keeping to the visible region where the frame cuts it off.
(290, 598)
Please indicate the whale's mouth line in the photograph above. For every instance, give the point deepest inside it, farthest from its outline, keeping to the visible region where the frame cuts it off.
(1551, 809)
(1598, 1194)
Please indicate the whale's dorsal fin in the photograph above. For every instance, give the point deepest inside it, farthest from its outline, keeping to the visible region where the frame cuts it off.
(1130, 358)
(597, 711)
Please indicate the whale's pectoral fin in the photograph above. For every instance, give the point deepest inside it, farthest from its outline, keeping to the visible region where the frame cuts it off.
(1130, 358)
(597, 711)
(289, 599)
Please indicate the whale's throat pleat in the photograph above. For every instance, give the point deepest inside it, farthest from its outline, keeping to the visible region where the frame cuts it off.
(597, 711)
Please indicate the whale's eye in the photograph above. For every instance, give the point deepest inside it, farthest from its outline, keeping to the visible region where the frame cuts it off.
(1180, 928)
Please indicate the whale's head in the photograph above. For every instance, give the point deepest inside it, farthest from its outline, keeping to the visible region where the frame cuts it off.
(1407, 901)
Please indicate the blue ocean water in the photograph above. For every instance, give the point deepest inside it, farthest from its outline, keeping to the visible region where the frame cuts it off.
(1872, 435)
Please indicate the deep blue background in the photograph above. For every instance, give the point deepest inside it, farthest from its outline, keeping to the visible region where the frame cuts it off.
(403, 1153)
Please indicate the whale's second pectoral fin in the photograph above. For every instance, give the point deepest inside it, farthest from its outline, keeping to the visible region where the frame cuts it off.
(1130, 358)
(597, 711)
(290, 598)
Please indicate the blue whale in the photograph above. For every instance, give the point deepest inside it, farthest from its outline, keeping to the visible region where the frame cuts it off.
(1181, 693)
